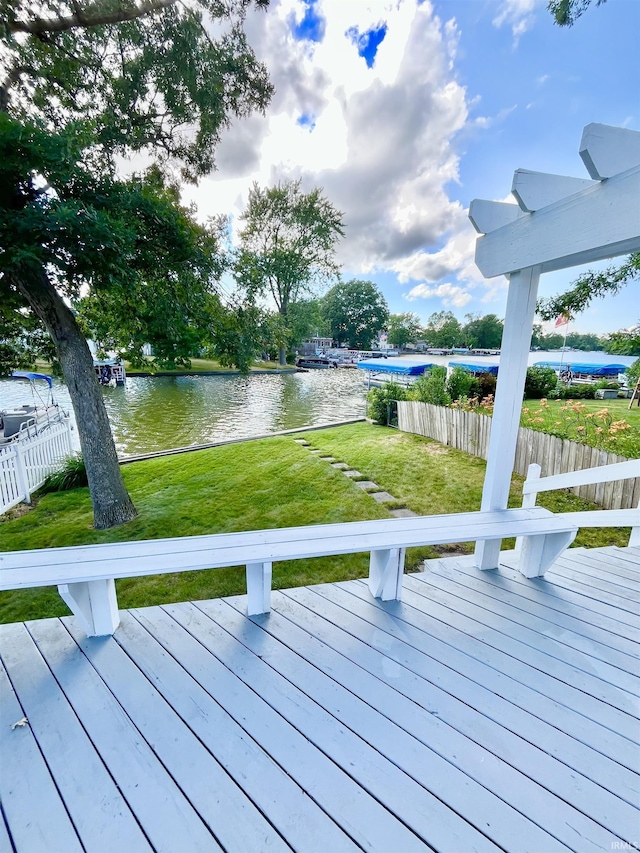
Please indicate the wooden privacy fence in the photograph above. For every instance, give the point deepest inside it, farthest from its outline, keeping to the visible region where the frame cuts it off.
(25, 464)
(469, 431)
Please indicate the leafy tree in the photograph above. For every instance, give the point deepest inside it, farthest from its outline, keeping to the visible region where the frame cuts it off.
(443, 330)
(567, 12)
(625, 342)
(586, 342)
(81, 84)
(403, 329)
(356, 312)
(306, 320)
(381, 402)
(287, 245)
(589, 286)
(483, 332)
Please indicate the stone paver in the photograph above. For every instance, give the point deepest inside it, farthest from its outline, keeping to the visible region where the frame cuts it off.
(367, 485)
(327, 458)
(341, 466)
(302, 441)
(352, 473)
(382, 497)
(403, 512)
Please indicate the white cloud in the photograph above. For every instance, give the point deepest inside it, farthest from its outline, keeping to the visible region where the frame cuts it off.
(451, 295)
(517, 14)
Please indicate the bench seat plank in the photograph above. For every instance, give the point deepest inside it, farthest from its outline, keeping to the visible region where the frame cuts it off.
(42, 567)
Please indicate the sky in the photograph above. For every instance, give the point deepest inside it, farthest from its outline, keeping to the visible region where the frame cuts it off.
(405, 111)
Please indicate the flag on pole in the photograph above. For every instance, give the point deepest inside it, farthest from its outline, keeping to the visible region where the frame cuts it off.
(562, 320)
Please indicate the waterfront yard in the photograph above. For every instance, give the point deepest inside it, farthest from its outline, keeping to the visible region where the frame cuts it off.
(267, 483)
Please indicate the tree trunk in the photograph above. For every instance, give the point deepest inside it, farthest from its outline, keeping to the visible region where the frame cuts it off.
(111, 502)
(282, 357)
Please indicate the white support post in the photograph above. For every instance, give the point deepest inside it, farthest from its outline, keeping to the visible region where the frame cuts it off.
(634, 539)
(539, 552)
(529, 500)
(95, 605)
(258, 588)
(514, 357)
(21, 473)
(68, 440)
(385, 573)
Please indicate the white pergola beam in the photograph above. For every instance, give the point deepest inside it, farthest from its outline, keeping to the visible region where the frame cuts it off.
(534, 190)
(599, 222)
(607, 151)
(486, 216)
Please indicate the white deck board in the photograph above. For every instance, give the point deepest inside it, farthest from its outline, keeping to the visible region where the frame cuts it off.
(484, 711)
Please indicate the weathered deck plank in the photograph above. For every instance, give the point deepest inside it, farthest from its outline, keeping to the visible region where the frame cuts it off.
(484, 711)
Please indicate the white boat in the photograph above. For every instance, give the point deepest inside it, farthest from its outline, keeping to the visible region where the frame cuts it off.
(32, 418)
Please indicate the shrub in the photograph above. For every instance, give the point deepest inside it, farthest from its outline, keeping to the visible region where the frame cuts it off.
(487, 385)
(539, 383)
(432, 388)
(381, 400)
(575, 392)
(462, 383)
(72, 475)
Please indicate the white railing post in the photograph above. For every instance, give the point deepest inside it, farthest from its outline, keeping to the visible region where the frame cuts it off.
(67, 422)
(21, 474)
(634, 538)
(529, 499)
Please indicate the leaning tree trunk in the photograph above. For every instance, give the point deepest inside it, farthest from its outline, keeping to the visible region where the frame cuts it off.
(111, 502)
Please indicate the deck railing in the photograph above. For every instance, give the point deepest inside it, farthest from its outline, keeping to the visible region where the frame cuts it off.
(26, 462)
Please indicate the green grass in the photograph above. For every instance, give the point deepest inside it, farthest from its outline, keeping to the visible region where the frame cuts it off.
(262, 484)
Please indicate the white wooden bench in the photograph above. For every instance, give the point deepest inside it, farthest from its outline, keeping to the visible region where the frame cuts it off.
(85, 575)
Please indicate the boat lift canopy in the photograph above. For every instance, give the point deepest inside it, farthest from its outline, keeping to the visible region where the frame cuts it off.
(398, 367)
(25, 374)
(476, 368)
(588, 369)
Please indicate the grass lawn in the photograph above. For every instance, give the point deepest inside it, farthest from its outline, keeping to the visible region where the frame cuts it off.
(198, 365)
(266, 483)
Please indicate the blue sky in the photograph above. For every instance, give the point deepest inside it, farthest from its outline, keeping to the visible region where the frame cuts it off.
(405, 111)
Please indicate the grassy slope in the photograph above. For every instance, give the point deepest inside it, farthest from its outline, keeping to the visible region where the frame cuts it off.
(260, 484)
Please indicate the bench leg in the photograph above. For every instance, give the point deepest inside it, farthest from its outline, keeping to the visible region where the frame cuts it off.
(487, 553)
(258, 588)
(539, 552)
(385, 573)
(94, 604)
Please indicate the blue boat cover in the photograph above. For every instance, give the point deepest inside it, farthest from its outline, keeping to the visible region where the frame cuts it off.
(476, 368)
(589, 369)
(25, 374)
(399, 367)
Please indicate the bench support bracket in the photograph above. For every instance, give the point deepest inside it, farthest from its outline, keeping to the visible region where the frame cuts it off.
(94, 604)
(258, 588)
(385, 573)
(537, 553)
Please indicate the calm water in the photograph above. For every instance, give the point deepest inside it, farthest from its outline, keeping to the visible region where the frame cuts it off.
(159, 413)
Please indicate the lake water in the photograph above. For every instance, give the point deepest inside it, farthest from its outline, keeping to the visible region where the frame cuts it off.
(157, 413)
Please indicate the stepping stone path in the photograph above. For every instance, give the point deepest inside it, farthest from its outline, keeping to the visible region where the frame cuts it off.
(368, 486)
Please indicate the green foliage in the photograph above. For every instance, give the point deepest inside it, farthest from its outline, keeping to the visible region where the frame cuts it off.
(589, 286)
(443, 330)
(71, 475)
(138, 75)
(483, 332)
(539, 382)
(432, 387)
(356, 312)
(625, 342)
(403, 329)
(381, 401)
(633, 373)
(573, 392)
(567, 12)
(462, 383)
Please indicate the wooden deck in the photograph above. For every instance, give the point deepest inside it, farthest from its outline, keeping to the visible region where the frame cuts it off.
(484, 712)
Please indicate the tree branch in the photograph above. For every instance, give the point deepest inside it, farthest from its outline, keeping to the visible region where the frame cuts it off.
(93, 16)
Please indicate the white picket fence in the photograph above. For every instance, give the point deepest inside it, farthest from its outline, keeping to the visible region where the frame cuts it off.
(25, 464)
